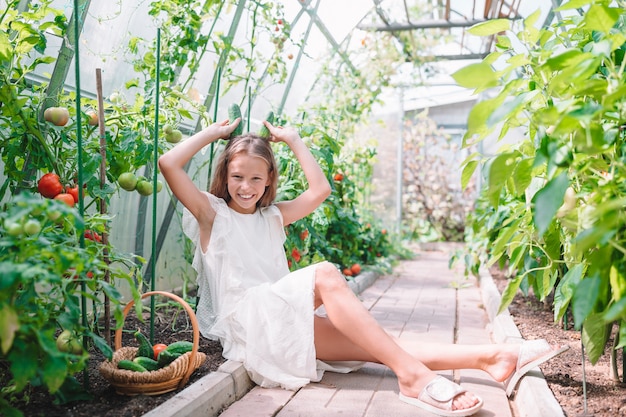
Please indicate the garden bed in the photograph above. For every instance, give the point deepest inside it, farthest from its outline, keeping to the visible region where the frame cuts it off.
(564, 374)
(171, 324)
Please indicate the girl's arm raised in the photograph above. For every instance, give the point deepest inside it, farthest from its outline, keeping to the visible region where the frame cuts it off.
(318, 189)
(172, 165)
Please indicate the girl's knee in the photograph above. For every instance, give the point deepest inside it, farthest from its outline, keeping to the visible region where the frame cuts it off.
(328, 276)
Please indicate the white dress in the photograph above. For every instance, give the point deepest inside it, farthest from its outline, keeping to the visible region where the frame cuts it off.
(261, 313)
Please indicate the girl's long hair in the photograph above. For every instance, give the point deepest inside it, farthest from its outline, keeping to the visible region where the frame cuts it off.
(252, 145)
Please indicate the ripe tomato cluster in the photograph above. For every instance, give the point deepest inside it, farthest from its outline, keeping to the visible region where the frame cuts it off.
(94, 236)
(355, 269)
(49, 186)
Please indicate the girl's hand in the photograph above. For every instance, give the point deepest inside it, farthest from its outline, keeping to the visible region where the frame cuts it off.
(222, 130)
(282, 134)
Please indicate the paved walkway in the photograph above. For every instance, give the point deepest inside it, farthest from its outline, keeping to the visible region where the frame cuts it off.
(423, 300)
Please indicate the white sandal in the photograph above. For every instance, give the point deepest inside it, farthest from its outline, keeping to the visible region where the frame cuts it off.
(437, 397)
(532, 353)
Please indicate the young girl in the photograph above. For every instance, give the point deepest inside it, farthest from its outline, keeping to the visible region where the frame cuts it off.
(264, 316)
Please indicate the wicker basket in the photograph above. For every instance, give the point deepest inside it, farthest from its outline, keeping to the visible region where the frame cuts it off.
(169, 378)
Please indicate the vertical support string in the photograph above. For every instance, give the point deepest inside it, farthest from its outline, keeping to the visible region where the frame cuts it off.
(154, 181)
(103, 203)
(212, 146)
(249, 109)
(79, 162)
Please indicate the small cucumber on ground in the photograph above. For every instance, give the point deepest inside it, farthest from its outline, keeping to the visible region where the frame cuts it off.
(233, 113)
(145, 348)
(165, 358)
(131, 366)
(149, 364)
(180, 347)
(264, 132)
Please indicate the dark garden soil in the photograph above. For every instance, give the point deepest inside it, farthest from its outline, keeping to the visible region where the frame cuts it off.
(170, 324)
(606, 397)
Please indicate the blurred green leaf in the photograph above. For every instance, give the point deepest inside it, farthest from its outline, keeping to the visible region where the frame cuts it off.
(585, 299)
(478, 76)
(548, 200)
(490, 27)
(500, 169)
(565, 290)
(601, 18)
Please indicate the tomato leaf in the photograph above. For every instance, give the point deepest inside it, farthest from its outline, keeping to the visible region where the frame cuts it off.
(9, 324)
(54, 372)
(101, 345)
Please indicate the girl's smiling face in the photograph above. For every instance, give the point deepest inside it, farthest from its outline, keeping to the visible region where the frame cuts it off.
(248, 177)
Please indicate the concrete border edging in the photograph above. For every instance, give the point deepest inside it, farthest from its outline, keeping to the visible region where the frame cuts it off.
(214, 392)
(209, 395)
(534, 397)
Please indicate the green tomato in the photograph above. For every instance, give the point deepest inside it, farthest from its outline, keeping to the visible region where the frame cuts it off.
(127, 181)
(174, 136)
(32, 227)
(67, 343)
(13, 228)
(144, 188)
(167, 129)
(53, 215)
(159, 186)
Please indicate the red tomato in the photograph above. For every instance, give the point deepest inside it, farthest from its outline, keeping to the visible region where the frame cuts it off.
(338, 177)
(158, 348)
(91, 235)
(66, 198)
(295, 255)
(356, 269)
(304, 234)
(49, 185)
(73, 191)
(347, 272)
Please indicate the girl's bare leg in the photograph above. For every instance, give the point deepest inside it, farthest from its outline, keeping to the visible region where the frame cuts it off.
(350, 317)
(497, 360)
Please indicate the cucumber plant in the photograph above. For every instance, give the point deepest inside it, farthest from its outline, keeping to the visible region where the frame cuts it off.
(553, 203)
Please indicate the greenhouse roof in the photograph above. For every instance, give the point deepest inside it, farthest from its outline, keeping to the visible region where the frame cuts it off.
(317, 27)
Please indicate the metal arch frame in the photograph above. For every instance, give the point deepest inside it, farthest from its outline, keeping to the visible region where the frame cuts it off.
(494, 9)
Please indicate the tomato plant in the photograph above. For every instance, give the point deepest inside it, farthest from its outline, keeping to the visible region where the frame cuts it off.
(41, 265)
